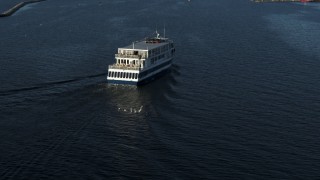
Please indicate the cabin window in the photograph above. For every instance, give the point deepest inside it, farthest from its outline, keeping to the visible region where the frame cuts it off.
(127, 75)
(136, 75)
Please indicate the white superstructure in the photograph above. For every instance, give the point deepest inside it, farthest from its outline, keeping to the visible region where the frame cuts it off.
(141, 61)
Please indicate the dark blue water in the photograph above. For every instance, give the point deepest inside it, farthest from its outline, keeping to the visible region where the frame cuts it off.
(241, 101)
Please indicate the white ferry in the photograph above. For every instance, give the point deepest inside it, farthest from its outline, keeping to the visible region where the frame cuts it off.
(142, 61)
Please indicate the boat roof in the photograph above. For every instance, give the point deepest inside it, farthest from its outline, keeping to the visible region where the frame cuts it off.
(147, 44)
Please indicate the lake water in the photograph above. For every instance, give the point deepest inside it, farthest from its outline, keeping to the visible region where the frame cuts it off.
(240, 102)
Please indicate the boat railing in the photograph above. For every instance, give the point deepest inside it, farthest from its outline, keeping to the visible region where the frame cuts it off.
(130, 56)
(124, 67)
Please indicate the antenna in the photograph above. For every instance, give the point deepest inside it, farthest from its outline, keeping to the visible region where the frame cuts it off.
(164, 30)
(132, 45)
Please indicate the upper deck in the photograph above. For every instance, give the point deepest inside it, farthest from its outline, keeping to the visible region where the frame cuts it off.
(147, 44)
(142, 54)
(149, 47)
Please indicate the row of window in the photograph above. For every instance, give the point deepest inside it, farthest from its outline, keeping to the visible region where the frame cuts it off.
(155, 59)
(126, 61)
(123, 75)
(132, 62)
(159, 50)
(123, 61)
(145, 73)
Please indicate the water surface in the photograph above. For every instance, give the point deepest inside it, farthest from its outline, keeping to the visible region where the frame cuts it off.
(241, 100)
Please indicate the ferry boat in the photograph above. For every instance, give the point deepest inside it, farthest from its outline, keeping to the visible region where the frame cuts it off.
(141, 61)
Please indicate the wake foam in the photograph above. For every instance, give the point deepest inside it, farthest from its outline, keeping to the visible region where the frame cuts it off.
(131, 110)
(48, 84)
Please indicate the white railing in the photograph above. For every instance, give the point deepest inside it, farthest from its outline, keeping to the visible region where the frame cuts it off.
(124, 67)
(130, 56)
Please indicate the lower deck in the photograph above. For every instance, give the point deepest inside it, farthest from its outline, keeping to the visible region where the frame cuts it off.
(122, 74)
(137, 77)
(140, 81)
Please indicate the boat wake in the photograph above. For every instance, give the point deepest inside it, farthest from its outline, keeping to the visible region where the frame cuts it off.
(175, 69)
(130, 110)
(127, 99)
(48, 84)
